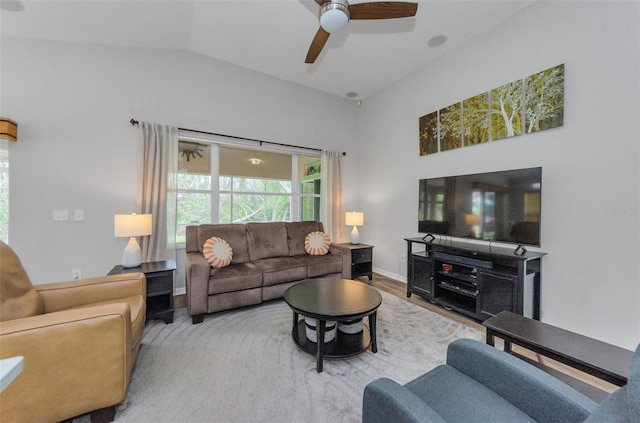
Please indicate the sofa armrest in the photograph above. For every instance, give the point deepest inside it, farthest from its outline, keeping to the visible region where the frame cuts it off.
(387, 401)
(66, 295)
(197, 270)
(345, 253)
(75, 361)
(533, 391)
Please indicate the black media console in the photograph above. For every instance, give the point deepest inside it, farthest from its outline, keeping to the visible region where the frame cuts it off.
(478, 280)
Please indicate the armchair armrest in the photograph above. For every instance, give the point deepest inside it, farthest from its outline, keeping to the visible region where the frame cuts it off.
(197, 283)
(387, 401)
(533, 391)
(75, 361)
(66, 295)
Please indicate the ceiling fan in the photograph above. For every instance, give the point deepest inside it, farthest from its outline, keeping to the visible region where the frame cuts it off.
(335, 14)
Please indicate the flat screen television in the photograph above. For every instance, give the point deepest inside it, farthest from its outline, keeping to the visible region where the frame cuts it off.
(499, 206)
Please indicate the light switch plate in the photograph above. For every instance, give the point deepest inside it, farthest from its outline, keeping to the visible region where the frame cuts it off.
(60, 215)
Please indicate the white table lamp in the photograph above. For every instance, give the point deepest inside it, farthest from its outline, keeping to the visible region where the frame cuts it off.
(132, 225)
(354, 219)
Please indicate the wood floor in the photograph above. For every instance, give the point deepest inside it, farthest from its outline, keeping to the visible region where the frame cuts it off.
(399, 289)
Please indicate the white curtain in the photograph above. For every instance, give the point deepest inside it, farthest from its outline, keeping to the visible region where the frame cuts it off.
(158, 190)
(331, 207)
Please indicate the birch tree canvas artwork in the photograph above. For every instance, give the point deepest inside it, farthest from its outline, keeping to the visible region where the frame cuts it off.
(528, 105)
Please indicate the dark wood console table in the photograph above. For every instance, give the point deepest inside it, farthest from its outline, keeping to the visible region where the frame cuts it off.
(475, 279)
(604, 361)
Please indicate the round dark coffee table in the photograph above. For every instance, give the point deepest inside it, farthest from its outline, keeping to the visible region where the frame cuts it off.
(338, 300)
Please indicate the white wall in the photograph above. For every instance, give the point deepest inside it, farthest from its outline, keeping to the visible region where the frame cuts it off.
(591, 275)
(77, 150)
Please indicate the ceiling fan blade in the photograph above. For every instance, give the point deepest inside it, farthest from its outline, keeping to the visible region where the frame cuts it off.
(321, 2)
(316, 45)
(383, 10)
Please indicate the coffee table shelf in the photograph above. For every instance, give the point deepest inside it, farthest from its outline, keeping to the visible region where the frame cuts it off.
(343, 345)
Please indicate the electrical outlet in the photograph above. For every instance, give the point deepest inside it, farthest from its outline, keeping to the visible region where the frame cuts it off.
(78, 215)
(76, 274)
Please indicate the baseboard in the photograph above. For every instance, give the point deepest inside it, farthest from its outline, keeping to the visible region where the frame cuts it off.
(390, 275)
(180, 297)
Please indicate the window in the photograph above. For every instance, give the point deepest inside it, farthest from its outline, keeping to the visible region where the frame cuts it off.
(4, 191)
(223, 184)
(310, 200)
(247, 199)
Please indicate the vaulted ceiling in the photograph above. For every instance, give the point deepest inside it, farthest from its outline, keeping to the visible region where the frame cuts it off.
(269, 36)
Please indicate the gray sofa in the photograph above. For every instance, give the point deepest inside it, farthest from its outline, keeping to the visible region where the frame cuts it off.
(267, 259)
(482, 384)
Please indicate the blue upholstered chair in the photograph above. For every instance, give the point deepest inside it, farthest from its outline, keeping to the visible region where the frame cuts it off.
(482, 384)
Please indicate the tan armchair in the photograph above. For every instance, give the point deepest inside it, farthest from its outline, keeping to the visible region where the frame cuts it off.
(79, 341)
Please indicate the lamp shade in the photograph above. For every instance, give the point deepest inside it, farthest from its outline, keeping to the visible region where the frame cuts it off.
(127, 225)
(354, 218)
(472, 219)
(8, 129)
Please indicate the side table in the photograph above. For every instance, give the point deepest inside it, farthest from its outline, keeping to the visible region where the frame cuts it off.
(604, 361)
(160, 276)
(361, 259)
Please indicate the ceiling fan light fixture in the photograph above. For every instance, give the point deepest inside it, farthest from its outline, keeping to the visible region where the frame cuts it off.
(334, 15)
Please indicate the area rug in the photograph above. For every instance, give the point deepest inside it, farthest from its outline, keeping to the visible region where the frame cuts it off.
(243, 366)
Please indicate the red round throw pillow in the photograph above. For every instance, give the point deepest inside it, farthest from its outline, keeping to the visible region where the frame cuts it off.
(217, 252)
(317, 243)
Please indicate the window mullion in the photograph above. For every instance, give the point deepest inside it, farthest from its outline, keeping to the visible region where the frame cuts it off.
(215, 183)
(295, 189)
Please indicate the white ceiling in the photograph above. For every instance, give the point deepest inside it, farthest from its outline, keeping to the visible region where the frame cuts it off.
(269, 36)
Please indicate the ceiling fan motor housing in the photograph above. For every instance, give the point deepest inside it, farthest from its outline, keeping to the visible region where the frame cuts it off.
(334, 15)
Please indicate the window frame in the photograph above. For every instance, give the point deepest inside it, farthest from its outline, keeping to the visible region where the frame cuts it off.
(216, 142)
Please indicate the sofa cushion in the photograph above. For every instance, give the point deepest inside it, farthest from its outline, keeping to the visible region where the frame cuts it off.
(218, 252)
(234, 233)
(267, 240)
(317, 243)
(281, 269)
(18, 297)
(458, 398)
(296, 233)
(235, 277)
(321, 265)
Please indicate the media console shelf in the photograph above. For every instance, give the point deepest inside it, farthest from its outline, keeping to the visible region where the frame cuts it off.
(474, 279)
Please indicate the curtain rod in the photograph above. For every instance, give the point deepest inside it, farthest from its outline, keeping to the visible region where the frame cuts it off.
(135, 122)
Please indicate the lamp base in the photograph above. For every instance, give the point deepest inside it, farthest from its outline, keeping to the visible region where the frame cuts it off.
(355, 236)
(132, 255)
